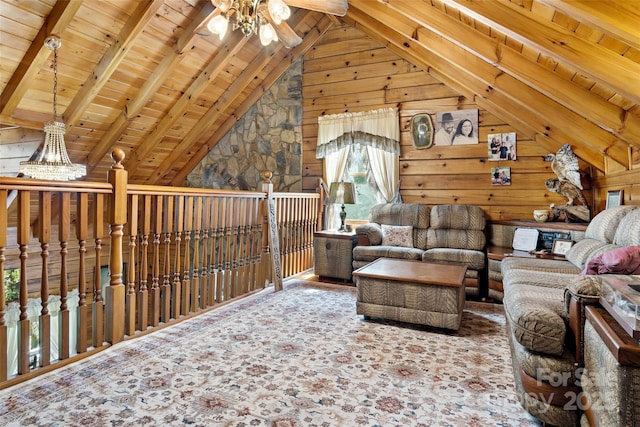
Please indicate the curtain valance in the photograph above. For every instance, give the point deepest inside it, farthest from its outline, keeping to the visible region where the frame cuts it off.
(366, 139)
(383, 122)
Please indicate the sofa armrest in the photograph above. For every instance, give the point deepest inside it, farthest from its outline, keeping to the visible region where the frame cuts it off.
(580, 292)
(369, 234)
(586, 289)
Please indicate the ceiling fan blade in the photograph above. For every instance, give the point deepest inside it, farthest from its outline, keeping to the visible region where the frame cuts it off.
(285, 33)
(333, 7)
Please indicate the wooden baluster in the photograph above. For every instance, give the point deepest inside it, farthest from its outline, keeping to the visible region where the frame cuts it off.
(317, 218)
(256, 243)
(45, 239)
(249, 245)
(294, 265)
(304, 226)
(299, 211)
(130, 297)
(64, 228)
(176, 295)
(228, 233)
(197, 228)
(242, 247)
(213, 252)
(82, 211)
(165, 294)
(204, 271)
(220, 283)
(98, 305)
(155, 277)
(235, 215)
(288, 235)
(143, 292)
(310, 211)
(24, 334)
(292, 236)
(3, 303)
(303, 233)
(186, 282)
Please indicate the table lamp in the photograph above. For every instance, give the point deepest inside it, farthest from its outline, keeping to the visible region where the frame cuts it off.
(342, 193)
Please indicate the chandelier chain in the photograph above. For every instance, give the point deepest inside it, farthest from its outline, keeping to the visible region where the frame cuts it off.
(55, 84)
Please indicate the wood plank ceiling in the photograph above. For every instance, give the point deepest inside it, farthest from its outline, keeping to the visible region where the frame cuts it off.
(148, 77)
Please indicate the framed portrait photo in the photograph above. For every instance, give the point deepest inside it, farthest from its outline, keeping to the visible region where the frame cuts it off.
(500, 176)
(561, 246)
(614, 198)
(421, 131)
(457, 127)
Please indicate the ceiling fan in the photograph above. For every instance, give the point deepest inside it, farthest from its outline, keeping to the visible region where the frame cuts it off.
(267, 18)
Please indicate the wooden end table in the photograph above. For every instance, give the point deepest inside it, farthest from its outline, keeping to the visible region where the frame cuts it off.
(333, 254)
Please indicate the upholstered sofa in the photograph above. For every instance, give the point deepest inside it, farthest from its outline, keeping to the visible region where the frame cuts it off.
(544, 302)
(440, 233)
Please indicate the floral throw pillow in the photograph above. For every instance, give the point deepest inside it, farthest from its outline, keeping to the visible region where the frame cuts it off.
(397, 235)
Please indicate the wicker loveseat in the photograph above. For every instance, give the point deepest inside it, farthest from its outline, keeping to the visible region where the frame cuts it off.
(440, 233)
(544, 303)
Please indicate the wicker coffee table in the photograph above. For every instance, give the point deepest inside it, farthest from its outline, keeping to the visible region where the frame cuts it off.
(411, 291)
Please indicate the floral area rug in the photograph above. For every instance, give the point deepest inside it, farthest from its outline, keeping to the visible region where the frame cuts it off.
(300, 357)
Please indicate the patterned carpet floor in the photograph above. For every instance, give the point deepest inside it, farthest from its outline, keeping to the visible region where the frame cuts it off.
(300, 357)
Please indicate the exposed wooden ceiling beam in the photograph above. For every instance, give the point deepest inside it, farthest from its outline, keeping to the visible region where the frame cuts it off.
(172, 55)
(307, 43)
(236, 42)
(110, 61)
(466, 74)
(37, 54)
(618, 19)
(624, 124)
(602, 64)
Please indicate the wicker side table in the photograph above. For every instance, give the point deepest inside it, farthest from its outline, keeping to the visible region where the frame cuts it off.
(332, 251)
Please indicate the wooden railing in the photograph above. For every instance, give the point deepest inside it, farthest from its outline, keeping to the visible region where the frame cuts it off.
(114, 260)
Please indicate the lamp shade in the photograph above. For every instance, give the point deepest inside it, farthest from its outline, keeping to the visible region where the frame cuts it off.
(343, 193)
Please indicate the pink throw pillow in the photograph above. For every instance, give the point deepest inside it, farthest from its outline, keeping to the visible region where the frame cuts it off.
(618, 261)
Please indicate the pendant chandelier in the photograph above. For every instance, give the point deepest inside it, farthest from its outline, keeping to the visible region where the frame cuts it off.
(53, 163)
(250, 16)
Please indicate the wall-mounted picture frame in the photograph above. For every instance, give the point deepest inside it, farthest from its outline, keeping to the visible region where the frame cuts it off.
(458, 127)
(561, 246)
(500, 176)
(421, 131)
(501, 146)
(614, 198)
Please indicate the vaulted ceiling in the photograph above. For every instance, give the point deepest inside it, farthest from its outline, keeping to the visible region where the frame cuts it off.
(148, 77)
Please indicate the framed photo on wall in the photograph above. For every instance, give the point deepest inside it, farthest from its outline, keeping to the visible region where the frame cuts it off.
(421, 131)
(502, 146)
(458, 127)
(614, 198)
(500, 176)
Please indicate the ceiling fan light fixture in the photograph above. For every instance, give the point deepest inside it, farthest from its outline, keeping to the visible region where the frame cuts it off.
(250, 16)
(278, 10)
(218, 25)
(267, 34)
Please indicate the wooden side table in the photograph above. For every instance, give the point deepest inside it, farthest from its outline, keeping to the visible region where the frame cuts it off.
(495, 255)
(332, 253)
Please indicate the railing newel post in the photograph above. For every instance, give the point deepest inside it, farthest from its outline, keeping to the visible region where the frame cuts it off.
(115, 292)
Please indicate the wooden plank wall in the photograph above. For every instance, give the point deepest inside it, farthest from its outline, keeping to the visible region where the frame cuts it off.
(347, 71)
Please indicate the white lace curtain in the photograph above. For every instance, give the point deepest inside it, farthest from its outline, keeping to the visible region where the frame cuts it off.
(34, 307)
(379, 132)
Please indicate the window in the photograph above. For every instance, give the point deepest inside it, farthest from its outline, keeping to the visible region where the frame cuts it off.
(357, 173)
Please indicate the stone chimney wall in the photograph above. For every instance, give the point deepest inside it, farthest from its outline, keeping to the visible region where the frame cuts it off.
(267, 137)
